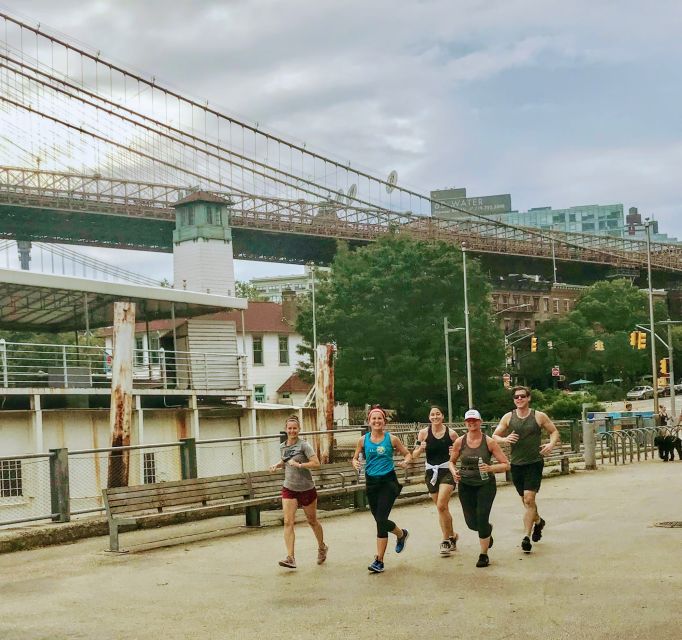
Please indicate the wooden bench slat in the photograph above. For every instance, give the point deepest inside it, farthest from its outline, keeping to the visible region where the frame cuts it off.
(149, 490)
(175, 499)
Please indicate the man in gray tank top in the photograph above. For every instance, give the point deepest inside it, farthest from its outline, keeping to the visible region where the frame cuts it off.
(522, 429)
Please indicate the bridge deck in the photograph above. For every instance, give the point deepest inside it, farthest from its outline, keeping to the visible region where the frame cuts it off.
(602, 571)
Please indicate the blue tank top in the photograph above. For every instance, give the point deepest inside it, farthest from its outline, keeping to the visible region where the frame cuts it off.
(379, 456)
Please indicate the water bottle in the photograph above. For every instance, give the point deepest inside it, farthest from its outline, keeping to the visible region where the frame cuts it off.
(361, 470)
(484, 474)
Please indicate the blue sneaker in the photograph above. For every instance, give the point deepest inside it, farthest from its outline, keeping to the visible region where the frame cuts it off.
(400, 545)
(377, 566)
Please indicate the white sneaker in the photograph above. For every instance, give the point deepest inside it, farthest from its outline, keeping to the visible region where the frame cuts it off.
(445, 548)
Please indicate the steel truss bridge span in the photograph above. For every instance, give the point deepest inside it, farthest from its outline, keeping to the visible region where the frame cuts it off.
(64, 193)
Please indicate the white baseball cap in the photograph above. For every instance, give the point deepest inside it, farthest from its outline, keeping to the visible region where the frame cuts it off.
(472, 414)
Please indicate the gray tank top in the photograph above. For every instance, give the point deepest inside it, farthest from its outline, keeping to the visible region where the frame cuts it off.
(527, 449)
(469, 471)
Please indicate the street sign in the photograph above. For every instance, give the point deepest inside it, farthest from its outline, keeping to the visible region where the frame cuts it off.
(555, 372)
(506, 380)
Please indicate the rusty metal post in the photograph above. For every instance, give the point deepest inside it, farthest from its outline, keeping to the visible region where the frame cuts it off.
(59, 485)
(188, 458)
(324, 399)
(121, 412)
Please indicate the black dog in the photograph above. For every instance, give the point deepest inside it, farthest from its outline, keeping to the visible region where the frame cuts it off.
(667, 446)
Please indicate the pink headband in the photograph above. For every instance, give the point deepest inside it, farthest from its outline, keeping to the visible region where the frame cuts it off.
(373, 409)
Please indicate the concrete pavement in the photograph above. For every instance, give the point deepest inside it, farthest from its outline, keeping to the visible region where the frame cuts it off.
(601, 571)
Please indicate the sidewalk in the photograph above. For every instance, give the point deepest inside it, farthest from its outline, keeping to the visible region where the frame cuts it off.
(601, 571)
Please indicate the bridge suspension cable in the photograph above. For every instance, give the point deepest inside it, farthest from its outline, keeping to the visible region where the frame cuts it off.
(69, 111)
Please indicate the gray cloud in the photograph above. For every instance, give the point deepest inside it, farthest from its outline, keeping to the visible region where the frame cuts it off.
(557, 103)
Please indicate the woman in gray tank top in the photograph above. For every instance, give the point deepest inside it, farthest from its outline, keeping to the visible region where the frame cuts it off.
(476, 477)
(298, 457)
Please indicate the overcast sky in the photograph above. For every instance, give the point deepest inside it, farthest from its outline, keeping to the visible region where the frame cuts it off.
(558, 103)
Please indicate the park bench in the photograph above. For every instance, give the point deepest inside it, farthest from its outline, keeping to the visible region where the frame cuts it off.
(217, 495)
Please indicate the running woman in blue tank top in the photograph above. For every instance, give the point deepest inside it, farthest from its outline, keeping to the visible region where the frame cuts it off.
(383, 487)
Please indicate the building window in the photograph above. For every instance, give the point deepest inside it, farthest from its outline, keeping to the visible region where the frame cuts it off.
(536, 304)
(190, 217)
(259, 392)
(139, 351)
(284, 349)
(567, 305)
(545, 305)
(217, 216)
(149, 468)
(10, 479)
(556, 306)
(258, 350)
(209, 215)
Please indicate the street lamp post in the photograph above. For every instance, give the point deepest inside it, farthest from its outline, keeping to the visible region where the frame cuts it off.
(467, 338)
(516, 306)
(654, 379)
(312, 273)
(446, 330)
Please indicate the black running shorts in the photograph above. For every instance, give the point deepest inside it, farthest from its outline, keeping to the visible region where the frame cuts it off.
(527, 477)
(444, 477)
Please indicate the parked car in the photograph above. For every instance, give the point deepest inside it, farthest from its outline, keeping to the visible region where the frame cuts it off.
(642, 392)
(665, 391)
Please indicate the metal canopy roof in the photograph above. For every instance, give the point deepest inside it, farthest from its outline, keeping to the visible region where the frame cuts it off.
(44, 302)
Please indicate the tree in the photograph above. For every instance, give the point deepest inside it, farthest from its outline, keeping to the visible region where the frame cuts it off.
(248, 291)
(383, 306)
(606, 312)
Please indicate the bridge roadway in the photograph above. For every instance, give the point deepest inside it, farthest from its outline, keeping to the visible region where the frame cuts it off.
(602, 571)
(51, 206)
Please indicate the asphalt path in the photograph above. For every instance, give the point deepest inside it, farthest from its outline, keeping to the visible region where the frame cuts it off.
(602, 570)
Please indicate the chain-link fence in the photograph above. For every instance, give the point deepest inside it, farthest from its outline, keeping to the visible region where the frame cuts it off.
(25, 488)
(62, 484)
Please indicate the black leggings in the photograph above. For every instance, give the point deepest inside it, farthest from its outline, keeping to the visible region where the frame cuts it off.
(381, 494)
(476, 505)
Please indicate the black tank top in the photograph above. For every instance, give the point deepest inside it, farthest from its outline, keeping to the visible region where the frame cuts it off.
(469, 456)
(438, 449)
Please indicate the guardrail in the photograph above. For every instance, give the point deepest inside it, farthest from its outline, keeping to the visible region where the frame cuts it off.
(62, 483)
(67, 366)
(626, 445)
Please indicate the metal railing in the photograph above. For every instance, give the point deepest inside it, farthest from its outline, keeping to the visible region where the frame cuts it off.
(60, 484)
(628, 445)
(31, 365)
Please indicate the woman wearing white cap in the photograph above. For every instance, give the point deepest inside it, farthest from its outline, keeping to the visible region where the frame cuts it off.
(436, 441)
(476, 478)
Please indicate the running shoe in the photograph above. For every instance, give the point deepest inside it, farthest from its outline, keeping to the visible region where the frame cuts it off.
(445, 548)
(453, 541)
(377, 566)
(400, 544)
(537, 530)
(526, 545)
(288, 562)
(483, 560)
(322, 553)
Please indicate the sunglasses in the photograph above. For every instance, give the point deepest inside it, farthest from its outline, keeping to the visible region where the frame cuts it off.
(519, 397)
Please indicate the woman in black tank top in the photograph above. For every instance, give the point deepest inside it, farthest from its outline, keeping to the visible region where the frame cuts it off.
(436, 441)
(476, 477)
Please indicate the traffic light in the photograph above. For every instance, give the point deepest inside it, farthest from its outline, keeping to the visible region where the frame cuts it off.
(664, 366)
(641, 340)
(533, 344)
(599, 345)
(633, 338)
